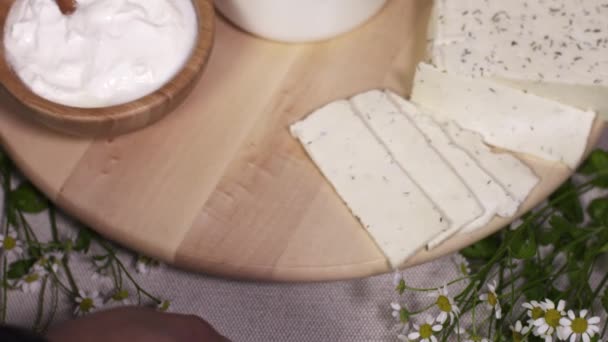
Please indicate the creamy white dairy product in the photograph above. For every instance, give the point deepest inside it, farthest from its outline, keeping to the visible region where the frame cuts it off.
(506, 117)
(419, 159)
(511, 173)
(494, 198)
(557, 49)
(392, 208)
(107, 53)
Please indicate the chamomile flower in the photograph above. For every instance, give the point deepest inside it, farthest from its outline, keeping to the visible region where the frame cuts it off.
(491, 299)
(426, 331)
(121, 298)
(87, 302)
(11, 246)
(458, 330)
(476, 338)
(548, 325)
(163, 306)
(519, 332)
(32, 281)
(144, 264)
(446, 305)
(50, 261)
(534, 310)
(400, 314)
(462, 264)
(577, 328)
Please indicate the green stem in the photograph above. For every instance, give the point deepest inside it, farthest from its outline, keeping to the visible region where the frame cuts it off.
(68, 273)
(4, 290)
(419, 289)
(40, 310)
(122, 268)
(54, 305)
(54, 231)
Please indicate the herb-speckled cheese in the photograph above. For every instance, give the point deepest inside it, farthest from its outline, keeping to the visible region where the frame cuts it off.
(392, 208)
(557, 49)
(511, 173)
(494, 198)
(506, 117)
(418, 158)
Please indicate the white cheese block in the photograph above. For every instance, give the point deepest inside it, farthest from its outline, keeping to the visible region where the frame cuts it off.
(396, 213)
(418, 159)
(511, 173)
(554, 49)
(504, 116)
(493, 197)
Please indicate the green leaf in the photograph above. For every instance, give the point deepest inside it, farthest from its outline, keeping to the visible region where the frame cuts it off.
(27, 199)
(567, 202)
(83, 240)
(19, 268)
(11, 214)
(598, 210)
(597, 161)
(400, 287)
(605, 300)
(523, 244)
(34, 252)
(483, 249)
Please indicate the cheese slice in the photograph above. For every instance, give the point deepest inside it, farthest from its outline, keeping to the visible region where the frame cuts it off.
(504, 116)
(392, 208)
(557, 49)
(418, 159)
(511, 173)
(493, 197)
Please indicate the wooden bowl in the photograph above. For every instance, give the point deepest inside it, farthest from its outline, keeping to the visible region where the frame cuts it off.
(118, 119)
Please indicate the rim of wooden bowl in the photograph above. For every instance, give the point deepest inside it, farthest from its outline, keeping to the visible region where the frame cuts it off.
(117, 119)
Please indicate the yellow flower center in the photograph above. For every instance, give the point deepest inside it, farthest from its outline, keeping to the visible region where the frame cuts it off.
(86, 305)
(9, 243)
(31, 278)
(426, 331)
(463, 268)
(517, 337)
(120, 295)
(552, 317)
(537, 313)
(492, 300)
(444, 304)
(579, 325)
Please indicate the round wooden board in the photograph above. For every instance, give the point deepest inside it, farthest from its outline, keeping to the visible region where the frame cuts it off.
(219, 186)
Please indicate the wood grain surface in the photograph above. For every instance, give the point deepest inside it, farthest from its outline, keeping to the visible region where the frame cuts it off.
(119, 119)
(220, 186)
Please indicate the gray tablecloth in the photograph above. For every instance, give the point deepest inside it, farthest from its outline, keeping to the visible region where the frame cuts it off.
(356, 310)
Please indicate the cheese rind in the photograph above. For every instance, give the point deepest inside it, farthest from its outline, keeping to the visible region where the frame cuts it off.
(397, 214)
(495, 199)
(511, 173)
(504, 116)
(418, 158)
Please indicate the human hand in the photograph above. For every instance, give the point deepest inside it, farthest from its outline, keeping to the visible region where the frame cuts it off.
(135, 324)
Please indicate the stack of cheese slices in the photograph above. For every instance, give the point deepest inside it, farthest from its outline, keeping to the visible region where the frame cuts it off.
(416, 172)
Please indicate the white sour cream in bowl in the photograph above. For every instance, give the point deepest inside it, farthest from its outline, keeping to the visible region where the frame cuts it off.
(108, 52)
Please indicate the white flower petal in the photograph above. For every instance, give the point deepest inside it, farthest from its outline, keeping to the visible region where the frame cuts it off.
(413, 336)
(565, 322)
(583, 313)
(561, 305)
(437, 328)
(395, 306)
(433, 338)
(586, 338)
(593, 320)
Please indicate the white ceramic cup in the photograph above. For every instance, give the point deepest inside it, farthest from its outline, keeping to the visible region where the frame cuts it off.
(296, 21)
